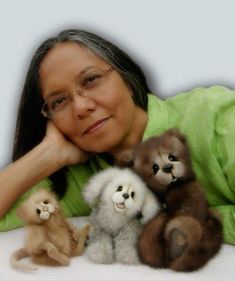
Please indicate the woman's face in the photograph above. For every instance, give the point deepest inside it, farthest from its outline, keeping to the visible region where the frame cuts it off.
(99, 122)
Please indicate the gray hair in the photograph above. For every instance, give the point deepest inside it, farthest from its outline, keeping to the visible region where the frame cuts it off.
(120, 61)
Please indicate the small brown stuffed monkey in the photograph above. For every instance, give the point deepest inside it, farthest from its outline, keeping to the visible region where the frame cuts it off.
(50, 240)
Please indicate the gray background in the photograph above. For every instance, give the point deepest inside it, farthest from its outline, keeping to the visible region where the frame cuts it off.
(180, 44)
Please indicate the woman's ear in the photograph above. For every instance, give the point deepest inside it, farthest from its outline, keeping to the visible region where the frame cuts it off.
(97, 183)
(125, 158)
(150, 207)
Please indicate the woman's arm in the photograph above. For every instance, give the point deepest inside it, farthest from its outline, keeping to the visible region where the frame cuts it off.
(51, 154)
(18, 177)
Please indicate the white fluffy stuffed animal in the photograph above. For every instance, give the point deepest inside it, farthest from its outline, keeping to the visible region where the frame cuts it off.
(123, 204)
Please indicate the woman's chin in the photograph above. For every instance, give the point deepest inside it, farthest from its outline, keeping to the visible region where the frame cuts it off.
(98, 147)
(106, 143)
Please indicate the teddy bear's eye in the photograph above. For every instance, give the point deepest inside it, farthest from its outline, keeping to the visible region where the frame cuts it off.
(38, 211)
(155, 168)
(172, 157)
(46, 202)
(132, 194)
(119, 188)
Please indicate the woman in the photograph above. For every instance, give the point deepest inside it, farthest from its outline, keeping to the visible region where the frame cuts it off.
(84, 101)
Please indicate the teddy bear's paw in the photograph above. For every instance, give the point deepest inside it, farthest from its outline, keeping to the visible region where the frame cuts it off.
(99, 252)
(178, 244)
(126, 256)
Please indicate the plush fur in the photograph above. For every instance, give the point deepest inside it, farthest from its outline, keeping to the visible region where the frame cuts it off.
(120, 197)
(51, 240)
(186, 234)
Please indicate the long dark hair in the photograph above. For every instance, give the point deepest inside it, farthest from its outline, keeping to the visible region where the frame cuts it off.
(31, 125)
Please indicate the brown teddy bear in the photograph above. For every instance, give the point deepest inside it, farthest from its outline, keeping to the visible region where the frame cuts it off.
(185, 234)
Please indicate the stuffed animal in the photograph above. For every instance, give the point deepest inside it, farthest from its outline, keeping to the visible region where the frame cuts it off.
(186, 234)
(50, 240)
(122, 204)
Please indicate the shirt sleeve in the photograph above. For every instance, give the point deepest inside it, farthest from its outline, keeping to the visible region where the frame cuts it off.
(225, 140)
(227, 213)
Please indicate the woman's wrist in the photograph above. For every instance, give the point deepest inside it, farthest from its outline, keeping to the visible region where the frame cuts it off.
(50, 155)
(64, 155)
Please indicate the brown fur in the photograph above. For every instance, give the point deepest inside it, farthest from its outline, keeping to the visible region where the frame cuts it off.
(49, 241)
(186, 234)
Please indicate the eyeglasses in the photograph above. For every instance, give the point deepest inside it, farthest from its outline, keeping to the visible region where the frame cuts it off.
(57, 106)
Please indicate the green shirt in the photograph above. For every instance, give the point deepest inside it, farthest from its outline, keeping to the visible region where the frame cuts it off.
(207, 117)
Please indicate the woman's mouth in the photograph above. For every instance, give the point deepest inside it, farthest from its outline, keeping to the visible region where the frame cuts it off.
(96, 126)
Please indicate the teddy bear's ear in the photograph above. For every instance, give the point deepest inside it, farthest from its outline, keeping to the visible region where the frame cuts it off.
(150, 208)
(97, 183)
(175, 132)
(22, 212)
(125, 158)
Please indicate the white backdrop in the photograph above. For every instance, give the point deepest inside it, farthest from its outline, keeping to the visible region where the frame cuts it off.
(180, 44)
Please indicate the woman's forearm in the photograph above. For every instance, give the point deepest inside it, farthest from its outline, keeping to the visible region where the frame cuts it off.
(21, 175)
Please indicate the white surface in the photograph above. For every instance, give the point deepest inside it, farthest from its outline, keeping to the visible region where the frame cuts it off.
(221, 267)
(180, 44)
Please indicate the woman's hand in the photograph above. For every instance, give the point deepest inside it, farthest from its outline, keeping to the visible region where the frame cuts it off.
(53, 153)
(67, 152)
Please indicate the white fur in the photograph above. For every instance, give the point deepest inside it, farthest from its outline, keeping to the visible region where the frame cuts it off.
(97, 183)
(121, 195)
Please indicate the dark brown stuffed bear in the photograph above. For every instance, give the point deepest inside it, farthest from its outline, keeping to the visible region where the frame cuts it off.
(185, 234)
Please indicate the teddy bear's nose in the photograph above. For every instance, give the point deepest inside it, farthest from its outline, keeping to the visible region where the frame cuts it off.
(167, 168)
(125, 195)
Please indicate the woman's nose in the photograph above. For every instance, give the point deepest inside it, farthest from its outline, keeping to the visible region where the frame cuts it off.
(82, 106)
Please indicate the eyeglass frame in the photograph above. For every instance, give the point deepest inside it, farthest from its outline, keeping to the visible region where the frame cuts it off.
(47, 115)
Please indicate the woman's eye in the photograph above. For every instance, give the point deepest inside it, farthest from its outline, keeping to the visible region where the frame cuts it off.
(172, 157)
(91, 80)
(58, 102)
